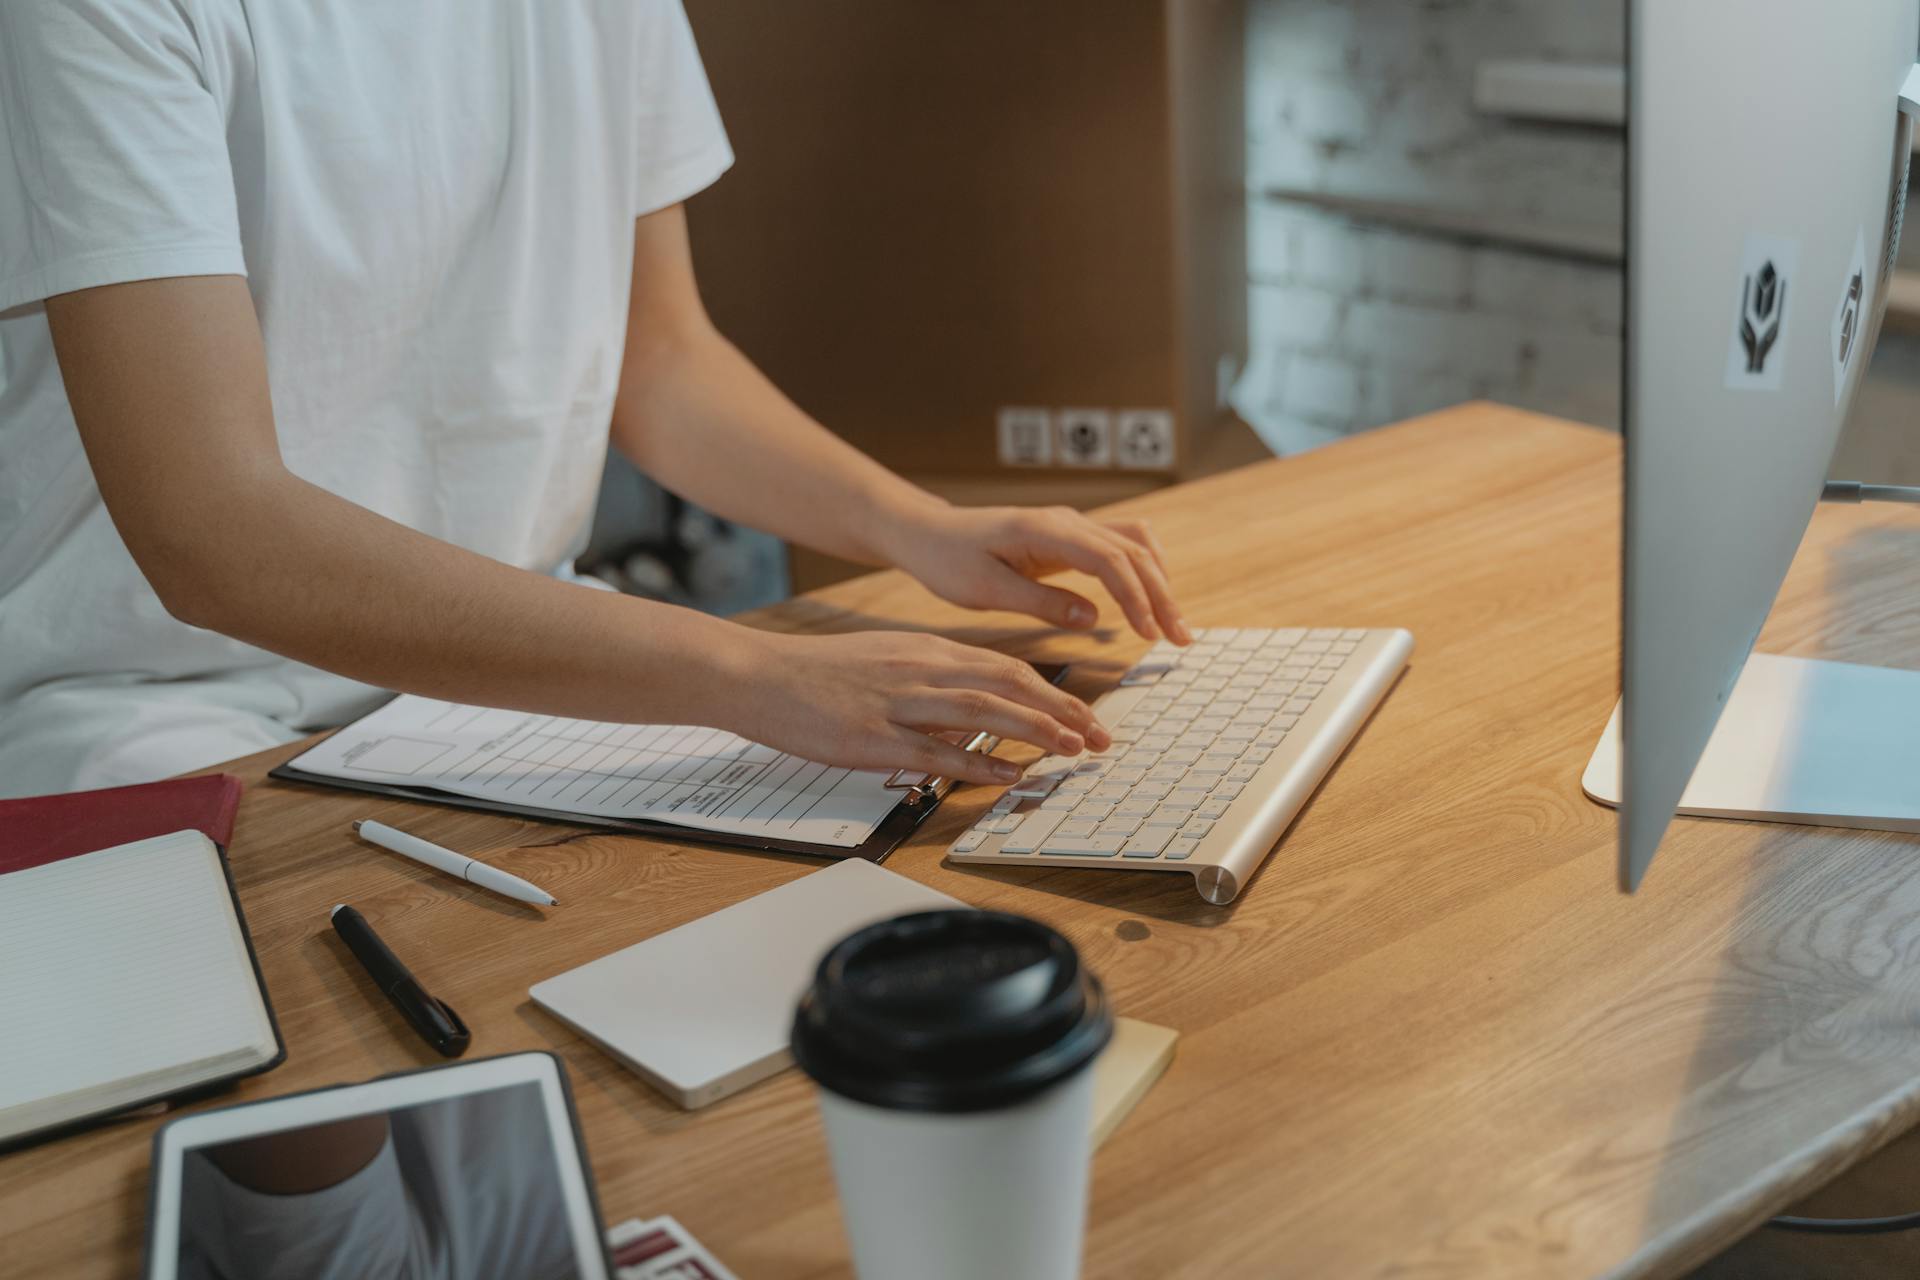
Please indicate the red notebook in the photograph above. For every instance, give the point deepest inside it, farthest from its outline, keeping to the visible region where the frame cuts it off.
(43, 829)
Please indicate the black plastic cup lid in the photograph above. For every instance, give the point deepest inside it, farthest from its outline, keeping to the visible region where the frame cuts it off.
(950, 1011)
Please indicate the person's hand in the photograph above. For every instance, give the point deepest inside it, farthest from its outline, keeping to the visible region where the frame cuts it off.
(877, 700)
(993, 558)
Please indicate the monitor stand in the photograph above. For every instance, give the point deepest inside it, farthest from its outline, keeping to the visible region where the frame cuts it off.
(1825, 743)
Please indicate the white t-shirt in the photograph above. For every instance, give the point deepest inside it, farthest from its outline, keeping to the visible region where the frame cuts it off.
(433, 205)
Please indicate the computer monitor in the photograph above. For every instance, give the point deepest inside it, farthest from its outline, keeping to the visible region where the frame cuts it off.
(1767, 161)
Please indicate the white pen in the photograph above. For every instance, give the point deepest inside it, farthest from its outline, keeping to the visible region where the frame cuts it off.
(471, 870)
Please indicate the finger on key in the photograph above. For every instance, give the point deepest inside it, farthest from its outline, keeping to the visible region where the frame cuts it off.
(975, 709)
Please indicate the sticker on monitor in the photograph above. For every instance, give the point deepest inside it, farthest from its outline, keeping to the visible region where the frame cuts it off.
(1849, 316)
(1757, 347)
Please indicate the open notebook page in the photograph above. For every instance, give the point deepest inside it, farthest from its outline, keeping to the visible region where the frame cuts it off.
(126, 976)
(703, 778)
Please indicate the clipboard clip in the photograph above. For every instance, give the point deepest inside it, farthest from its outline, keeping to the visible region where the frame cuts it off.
(919, 787)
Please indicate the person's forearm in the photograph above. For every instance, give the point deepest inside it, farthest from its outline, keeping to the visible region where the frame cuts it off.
(304, 573)
(697, 416)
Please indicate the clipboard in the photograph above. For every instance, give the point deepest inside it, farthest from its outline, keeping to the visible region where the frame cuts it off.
(919, 797)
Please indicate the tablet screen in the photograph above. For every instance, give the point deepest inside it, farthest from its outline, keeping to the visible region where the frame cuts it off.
(452, 1188)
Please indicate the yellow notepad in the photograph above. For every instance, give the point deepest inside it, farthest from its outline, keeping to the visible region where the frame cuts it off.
(1134, 1059)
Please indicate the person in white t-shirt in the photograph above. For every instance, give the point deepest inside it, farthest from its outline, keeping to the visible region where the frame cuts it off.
(315, 320)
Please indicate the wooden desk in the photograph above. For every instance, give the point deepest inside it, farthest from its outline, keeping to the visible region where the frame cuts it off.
(1429, 1039)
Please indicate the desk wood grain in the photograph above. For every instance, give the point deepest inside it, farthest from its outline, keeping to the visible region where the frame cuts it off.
(1428, 1040)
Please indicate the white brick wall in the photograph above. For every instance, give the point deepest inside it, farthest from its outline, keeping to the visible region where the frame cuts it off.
(1353, 326)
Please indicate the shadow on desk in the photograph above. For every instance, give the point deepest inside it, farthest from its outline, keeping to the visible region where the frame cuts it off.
(1810, 1037)
(1167, 896)
(1887, 1182)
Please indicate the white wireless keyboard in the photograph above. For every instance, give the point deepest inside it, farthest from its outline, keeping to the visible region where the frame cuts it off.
(1215, 748)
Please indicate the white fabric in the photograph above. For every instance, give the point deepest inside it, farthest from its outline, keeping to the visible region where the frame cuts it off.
(463, 1189)
(433, 205)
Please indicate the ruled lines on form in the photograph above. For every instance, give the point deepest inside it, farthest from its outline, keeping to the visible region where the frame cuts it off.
(698, 777)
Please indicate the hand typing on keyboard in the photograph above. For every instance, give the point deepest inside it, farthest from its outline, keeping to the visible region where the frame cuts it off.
(993, 558)
(1214, 750)
(876, 700)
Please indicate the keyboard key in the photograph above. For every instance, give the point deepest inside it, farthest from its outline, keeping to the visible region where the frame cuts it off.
(1107, 791)
(1134, 806)
(969, 841)
(1242, 732)
(1181, 849)
(1037, 786)
(1211, 807)
(1032, 833)
(1128, 775)
(1098, 847)
(1007, 803)
(1214, 762)
(1000, 826)
(1148, 842)
(1353, 633)
(1094, 810)
(1197, 827)
(1298, 706)
(1243, 769)
(1120, 825)
(1228, 787)
(1185, 798)
(1169, 815)
(1181, 755)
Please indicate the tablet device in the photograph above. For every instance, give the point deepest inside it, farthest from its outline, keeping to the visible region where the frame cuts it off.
(473, 1171)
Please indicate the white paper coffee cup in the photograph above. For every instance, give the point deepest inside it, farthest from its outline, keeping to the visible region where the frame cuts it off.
(954, 1052)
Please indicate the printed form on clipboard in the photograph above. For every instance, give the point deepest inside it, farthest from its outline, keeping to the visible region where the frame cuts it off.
(704, 779)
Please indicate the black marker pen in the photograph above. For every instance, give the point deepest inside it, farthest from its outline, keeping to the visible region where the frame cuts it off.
(434, 1019)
